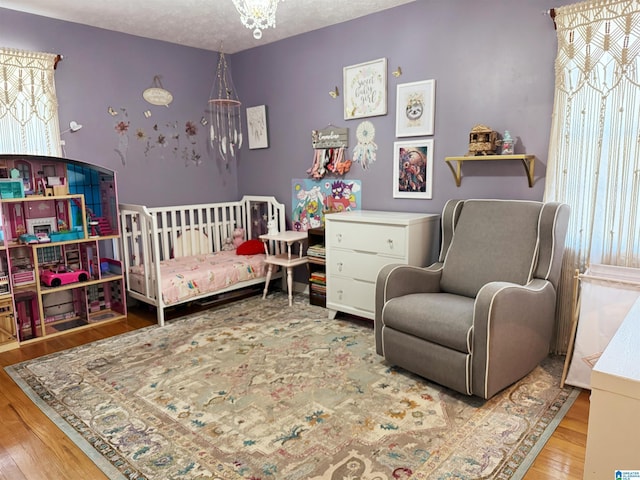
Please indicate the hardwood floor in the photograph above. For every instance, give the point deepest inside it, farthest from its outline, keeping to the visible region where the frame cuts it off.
(33, 448)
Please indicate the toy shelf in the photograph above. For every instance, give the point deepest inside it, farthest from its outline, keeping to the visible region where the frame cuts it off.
(55, 233)
(527, 160)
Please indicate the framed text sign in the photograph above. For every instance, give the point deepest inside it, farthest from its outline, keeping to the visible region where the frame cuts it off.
(365, 89)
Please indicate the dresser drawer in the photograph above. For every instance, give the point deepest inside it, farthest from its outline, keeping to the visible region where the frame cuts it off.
(360, 265)
(354, 293)
(367, 237)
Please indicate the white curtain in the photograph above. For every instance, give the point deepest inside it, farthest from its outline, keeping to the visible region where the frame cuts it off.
(594, 152)
(28, 104)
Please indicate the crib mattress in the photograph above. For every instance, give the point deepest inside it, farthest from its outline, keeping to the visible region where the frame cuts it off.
(188, 277)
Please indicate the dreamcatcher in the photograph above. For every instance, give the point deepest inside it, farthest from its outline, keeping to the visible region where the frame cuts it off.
(365, 151)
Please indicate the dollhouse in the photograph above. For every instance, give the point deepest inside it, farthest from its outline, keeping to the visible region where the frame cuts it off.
(57, 215)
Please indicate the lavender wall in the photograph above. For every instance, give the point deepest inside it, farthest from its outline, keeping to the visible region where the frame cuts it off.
(492, 62)
(102, 69)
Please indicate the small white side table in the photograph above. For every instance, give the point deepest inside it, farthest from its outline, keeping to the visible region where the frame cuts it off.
(284, 259)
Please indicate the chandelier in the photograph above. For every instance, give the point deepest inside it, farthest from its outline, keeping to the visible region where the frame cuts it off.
(257, 14)
(225, 130)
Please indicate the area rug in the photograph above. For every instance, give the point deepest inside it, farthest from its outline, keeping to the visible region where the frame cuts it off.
(258, 390)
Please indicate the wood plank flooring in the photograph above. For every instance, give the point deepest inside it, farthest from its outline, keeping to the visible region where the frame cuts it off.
(33, 448)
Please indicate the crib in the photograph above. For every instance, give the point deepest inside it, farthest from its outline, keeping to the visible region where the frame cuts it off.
(181, 254)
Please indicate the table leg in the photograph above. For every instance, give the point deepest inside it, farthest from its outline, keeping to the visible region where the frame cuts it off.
(290, 284)
(266, 282)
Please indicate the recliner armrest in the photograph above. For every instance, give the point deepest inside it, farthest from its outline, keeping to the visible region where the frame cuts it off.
(512, 330)
(395, 280)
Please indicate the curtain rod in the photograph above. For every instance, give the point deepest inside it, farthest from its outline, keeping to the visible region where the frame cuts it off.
(552, 13)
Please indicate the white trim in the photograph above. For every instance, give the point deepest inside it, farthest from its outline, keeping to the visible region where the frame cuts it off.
(454, 226)
(553, 241)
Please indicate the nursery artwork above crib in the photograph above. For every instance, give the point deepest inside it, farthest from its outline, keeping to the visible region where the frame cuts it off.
(311, 199)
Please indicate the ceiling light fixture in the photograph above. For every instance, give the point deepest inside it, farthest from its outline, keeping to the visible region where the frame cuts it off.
(257, 14)
(225, 129)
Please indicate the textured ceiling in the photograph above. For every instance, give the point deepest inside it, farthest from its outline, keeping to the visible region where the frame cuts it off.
(200, 23)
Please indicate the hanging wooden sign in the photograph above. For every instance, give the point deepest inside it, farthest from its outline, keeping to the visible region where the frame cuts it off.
(330, 137)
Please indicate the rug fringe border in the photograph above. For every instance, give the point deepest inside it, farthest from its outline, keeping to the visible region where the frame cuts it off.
(548, 432)
(109, 470)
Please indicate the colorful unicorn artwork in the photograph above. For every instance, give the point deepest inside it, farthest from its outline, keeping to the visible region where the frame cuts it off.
(312, 199)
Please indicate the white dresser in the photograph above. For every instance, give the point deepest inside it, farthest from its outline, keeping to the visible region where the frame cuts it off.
(359, 243)
(612, 439)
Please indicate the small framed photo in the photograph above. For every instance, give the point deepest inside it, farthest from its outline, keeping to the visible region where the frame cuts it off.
(365, 89)
(413, 169)
(257, 127)
(415, 110)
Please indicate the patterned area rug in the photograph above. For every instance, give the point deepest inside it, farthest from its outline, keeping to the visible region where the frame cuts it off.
(259, 390)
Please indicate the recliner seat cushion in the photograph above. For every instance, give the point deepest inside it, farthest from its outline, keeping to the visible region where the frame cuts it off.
(439, 318)
(505, 252)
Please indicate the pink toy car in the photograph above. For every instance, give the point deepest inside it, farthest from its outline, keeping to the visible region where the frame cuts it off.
(62, 275)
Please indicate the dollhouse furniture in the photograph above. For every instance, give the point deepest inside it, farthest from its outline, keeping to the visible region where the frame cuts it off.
(360, 242)
(482, 317)
(43, 225)
(279, 253)
(175, 255)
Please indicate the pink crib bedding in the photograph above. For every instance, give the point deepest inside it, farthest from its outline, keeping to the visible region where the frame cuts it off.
(187, 277)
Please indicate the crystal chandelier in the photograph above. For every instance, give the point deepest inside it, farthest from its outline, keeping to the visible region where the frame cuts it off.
(225, 130)
(257, 14)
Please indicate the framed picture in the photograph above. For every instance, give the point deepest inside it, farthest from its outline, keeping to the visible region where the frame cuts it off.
(365, 89)
(415, 108)
(257, 127)
(413, 169)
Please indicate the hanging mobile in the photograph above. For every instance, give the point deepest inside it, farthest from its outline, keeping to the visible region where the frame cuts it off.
(365, 151)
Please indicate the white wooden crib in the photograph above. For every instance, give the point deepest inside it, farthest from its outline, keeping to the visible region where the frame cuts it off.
(163, 245)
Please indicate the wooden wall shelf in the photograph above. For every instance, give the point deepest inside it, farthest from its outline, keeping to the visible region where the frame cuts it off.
(527, 160)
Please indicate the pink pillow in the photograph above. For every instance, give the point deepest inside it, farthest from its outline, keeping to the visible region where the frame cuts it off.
(250, 247)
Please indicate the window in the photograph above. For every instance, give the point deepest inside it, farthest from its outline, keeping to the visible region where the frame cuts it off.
(87, 182)
(25, 174)
(28, 104)
(594, 148)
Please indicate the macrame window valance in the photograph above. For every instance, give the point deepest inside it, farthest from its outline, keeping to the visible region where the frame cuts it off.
(28, 104)
(594, 147)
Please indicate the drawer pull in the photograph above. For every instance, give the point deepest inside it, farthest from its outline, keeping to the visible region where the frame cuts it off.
(339, 237)
(339, 292)
(340, 266)
(390, 242)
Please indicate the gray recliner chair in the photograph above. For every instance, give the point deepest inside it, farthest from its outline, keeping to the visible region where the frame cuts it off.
(482, 317)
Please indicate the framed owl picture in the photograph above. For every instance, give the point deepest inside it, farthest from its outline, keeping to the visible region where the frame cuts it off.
(415, 108)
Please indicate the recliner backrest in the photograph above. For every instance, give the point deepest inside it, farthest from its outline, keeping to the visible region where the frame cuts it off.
(493, 240)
